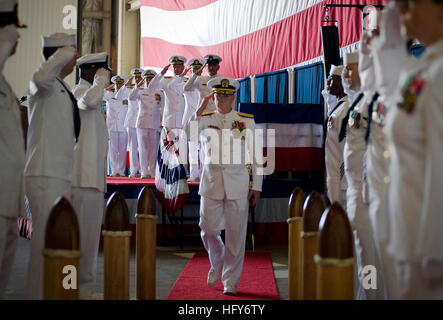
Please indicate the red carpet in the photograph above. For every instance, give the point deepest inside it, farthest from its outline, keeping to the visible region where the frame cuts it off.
(256, 282)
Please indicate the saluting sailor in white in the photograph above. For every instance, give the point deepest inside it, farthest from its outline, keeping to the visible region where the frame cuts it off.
(390, 56)
(199, 83)
(225, 189)
(354, 159)
(335, 180)
(192, 98)
(131, 120)
(175, 103)
(12, 147)
(115, 118)
(414, 130)
(148, 123)
(89, 182)
(53, 129)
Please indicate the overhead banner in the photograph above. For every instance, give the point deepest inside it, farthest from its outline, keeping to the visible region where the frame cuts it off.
(252, 36)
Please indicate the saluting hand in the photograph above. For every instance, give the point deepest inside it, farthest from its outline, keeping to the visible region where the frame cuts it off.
(165, 69)
(199, 71)
(204, 103)
(184, 72)
(140, 83)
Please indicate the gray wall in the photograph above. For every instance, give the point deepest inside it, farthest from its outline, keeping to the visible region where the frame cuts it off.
(41, 17)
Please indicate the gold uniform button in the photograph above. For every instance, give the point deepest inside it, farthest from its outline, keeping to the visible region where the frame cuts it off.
(386, 154)
(223, 168)
(387, 179)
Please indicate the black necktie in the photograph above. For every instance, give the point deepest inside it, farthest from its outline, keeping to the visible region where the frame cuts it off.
(368, 130)
(76, 112)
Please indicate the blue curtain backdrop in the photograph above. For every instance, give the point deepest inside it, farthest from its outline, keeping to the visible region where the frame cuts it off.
(244, 95)
(309, 83)
(273, 87)
(277, 87)
(260, 88)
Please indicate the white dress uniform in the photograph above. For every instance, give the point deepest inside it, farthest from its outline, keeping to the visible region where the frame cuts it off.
(118, 137)
(148, 125)
(330, 102)
(354, 155)
(390, 56)
(224, 187)
(174, 108)
(193, 98)
(335, 180)
(130, 125)
(50, 153)
(89, 182)
(12, 162)
(415, 130)
(175, 100)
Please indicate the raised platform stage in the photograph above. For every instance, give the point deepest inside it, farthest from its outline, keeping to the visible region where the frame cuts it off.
(267, 223)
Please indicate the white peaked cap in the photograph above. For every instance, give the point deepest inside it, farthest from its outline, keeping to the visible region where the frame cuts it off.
(374, 19)
(115, 78)
(195, 61)
(177, 60)
(224, 85)
(136, 70)
(336, 70)
(350, 57)
(212, 57)
(7, 5)
(92, 58)
(58, 40)
(149, 73)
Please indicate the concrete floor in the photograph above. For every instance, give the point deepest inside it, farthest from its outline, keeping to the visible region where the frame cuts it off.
(170, 263)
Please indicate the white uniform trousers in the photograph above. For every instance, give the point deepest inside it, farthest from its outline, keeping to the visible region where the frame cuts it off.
(42, 193)
(363, 241)
(335, 191)
(194, 173)
(231, 215)
(118, 142)
(134, 163)
(388, 269)
(416, 282)
(8, 245)
(148, 140)
(89, 205)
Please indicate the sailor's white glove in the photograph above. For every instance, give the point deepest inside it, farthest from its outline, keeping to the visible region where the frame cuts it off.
(102, 75)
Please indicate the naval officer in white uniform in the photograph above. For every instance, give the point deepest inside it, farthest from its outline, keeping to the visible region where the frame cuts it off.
(390, 56)
(192, 98)
(148, 123)
(200, 83)
(175, 103)
(415, 129)
(115, 119)
(12, 147)
(89, 182)
(131, 119)
(225, 189)
(335, 180)
(54, 127)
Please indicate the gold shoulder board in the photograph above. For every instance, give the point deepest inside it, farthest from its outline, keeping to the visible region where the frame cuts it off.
(247, 115)
(207, 113)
